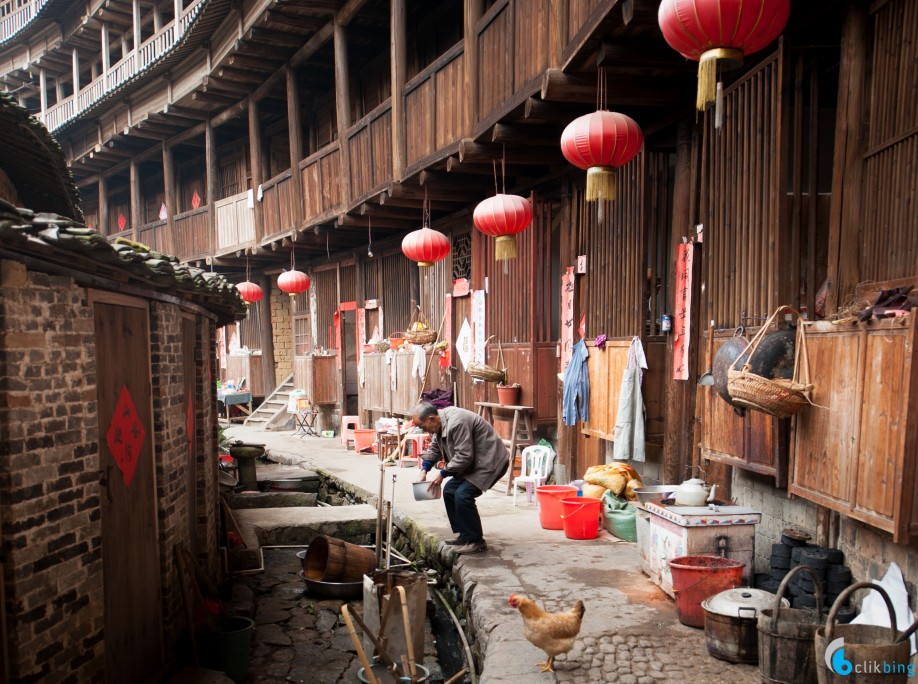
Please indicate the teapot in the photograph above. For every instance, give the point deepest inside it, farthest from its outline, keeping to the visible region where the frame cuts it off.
(694, 491)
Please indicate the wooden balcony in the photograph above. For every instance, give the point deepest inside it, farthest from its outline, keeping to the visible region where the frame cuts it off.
(16, 20)
(321, 191)
(156, 236)
(192, 237)
(370, 146)
(278, 204)
(235, 223)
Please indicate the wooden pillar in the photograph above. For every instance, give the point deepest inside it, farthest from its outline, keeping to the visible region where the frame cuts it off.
(397, 49)
(58, 90)
(136, 200)
(157, 20)
(343, 101)
(103, 206)
(178, 11)
(169, 196)
(295, 128)
(255, 161)
(43, 84)
(136, 24)
(473, 10)
(76, 71)
(106, 56)
(267, 336)
(210, 154)
(845, 209)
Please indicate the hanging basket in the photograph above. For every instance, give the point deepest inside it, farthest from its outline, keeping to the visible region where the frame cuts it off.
(777, 397)
(419, 330)
(480, 371)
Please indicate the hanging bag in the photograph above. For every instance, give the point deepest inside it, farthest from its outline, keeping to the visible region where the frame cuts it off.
(775, 396)
(480, 371)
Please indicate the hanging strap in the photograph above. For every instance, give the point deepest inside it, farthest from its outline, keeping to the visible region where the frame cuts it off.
(758, 339)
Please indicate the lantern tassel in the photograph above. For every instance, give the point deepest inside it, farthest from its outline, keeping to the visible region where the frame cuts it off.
(728, 58)
(505, 248)
(600, 184)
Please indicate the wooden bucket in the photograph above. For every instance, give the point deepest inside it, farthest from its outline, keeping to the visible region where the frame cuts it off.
(787, 654)
(869, 655)
(332, 560)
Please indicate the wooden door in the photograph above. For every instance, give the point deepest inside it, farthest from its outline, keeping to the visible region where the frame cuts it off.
(130, 551)
(188, 340)
(463, 392)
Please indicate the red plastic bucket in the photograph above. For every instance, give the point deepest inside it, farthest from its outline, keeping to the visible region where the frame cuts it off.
(695, 578)
(549, 499)
(581, 517)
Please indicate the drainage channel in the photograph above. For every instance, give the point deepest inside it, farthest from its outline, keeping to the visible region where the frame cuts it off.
(302, 637)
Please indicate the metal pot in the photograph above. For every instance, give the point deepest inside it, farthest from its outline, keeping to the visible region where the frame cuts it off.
(655, 492)
(731, 623)
(724, 359)
(774, 357)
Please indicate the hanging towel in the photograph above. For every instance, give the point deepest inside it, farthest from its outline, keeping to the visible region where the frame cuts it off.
(577, 384)
(628, 434)
(418, 361)
(390, 361)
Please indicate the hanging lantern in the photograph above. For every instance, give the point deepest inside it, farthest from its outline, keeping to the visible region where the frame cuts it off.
(293, 282)
(598, 142)
(426, 246)
(720, 32)
(250, 292)
(503, 216)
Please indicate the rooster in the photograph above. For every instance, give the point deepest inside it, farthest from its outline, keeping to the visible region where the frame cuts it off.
(554, 633)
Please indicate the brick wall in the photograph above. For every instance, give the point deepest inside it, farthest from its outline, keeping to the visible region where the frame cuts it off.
(281, 321)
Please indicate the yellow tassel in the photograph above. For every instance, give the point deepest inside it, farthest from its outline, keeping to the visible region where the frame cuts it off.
(600, 184)
(506, 247)
(726, 58)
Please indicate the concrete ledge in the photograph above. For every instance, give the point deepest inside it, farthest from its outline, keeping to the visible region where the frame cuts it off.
(272, 500)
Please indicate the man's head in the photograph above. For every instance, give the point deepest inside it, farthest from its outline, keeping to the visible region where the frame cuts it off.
(427, 418)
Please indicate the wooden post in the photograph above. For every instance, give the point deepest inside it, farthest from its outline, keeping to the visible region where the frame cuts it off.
(43, 85)
(58, 90)
(845, 211)
(343, 100)
(255, 161)
(103, 206)
(398, 48)
(106, 56)
(169, 197)
(157, 20)
(210, 154)
(136, 23)
(136, 200)
(76, 72)
(473, 10)
(178, 12)
(267, 337)
(295, 128)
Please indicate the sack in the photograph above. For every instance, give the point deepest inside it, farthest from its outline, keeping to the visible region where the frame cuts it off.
(613, 476)
(620, 517)
(593, 491)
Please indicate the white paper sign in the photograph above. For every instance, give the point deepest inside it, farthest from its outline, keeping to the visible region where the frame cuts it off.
(478, 326)
(464, 343)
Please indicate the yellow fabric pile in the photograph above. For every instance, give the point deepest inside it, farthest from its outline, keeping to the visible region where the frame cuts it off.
(620, 478)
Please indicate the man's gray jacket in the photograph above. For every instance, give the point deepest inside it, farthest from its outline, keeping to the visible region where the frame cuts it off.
(470, 447)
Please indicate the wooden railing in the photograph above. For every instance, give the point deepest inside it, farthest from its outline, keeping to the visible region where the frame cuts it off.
(321, 191)
(16, 20)
(235, 222)
(156, 236)
(370, 146)
(150, 51)
(433, 117)
(278, 204)
(191, 234)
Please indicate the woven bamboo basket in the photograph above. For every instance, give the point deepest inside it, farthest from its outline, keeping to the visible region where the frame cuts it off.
(480, 371)
(423, 336)
(775, 396)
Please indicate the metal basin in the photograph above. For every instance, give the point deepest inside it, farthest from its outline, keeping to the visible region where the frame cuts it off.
(333, 590)
(655, 492)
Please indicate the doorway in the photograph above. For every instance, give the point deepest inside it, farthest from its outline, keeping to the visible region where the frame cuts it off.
(348, 332)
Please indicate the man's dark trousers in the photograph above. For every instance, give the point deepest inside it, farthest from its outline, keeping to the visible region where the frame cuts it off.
(459, 498)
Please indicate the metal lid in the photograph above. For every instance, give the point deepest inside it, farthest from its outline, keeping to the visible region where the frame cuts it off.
(743, 602)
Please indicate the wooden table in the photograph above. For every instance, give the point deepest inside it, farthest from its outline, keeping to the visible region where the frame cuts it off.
(241, 399)
(521, 433)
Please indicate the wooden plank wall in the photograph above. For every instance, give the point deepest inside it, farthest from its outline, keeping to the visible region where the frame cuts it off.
(278, 203)
(890, 247)
(321, 190)
(431, 114)
(192, 234)
(370, 145)
(435, 283)
(396, 286)
(325, 283)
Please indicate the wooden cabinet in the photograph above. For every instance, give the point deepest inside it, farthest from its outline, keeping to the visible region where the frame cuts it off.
(857, 454)
(246, 366)
(377, 393)
(318, 376)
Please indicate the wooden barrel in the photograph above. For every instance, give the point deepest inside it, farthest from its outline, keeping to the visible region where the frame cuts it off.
(332, 560)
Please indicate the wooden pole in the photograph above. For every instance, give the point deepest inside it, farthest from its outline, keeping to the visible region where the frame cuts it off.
(343, 100)
(267, 337)
(43, 95)
(106, 57)
(255, 163)
(210, 154)
(76, 72)
(102, 226)
(398, 48)
(178, 12)
(295, 128)
(472, 12)
(169, 197)
(136, 201)
(136, 26)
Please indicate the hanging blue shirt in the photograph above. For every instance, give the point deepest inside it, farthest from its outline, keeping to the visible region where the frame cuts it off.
(577, 384)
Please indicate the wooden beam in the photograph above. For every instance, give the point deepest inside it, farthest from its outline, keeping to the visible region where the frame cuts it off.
(103, 205)
(454, 166)
(169, 196)
(398, 64)
(343, 102)
(346, 220)
(623, 90)
(257, 166)
(267, 337)
(212, 169)
(472, 11)
(477, 153)
(646, 55)
(254, 63)
(136, 201)
(526, 135)
(387, 200)
(171, 109)
(295, 132)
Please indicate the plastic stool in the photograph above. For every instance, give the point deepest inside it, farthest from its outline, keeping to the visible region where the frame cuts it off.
(418, 441)
(348, 423)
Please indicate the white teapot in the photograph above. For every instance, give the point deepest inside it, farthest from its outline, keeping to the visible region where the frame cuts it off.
(695, 492)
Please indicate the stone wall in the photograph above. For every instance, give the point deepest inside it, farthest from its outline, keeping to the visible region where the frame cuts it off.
(282, 323)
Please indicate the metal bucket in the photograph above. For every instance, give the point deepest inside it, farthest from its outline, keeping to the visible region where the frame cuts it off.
(787, 654)
(865, 647)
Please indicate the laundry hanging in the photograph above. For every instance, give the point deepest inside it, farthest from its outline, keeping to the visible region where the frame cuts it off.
(628, 434)
(577, 385)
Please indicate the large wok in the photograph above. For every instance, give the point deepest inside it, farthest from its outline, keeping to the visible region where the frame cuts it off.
(774, 358)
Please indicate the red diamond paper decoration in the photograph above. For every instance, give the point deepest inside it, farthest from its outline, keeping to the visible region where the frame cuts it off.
(195, 200)
(125, 436)
(121, 221)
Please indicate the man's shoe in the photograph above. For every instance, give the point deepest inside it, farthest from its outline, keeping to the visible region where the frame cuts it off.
(474, 547)
(458, 541)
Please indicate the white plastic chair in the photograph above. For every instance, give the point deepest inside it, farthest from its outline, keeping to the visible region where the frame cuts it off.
(535, 467)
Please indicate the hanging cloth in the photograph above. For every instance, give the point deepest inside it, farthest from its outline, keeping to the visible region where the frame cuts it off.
(628, 434)
(418, 361)
(577, 384)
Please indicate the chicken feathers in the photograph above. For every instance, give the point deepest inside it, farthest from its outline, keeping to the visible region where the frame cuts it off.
(554, 633)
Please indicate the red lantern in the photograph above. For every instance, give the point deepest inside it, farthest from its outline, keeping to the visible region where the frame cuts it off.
(293, 282)
(503, 216)
(712, 31)
(598, 142)
(250, 292)
(426, 246)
